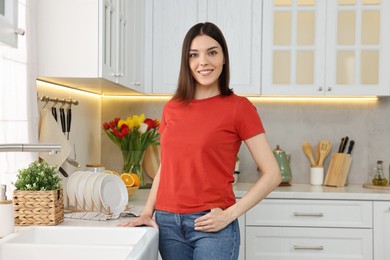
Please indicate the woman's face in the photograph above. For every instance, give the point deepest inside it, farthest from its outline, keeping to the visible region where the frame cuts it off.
(206, 60)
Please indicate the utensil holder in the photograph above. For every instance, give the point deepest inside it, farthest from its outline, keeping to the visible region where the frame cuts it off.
(316, 175)
(338, 170)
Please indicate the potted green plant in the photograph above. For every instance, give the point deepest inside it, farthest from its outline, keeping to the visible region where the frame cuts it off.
(38, 198)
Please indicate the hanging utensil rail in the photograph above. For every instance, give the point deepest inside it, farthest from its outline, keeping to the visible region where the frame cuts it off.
(64, 101)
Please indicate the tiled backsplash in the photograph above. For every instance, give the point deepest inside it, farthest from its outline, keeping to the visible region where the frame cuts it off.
(289, 124)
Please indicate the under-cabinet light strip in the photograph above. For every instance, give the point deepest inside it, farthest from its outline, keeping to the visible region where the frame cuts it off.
(51, 85)
(262, 98)
(252, 98)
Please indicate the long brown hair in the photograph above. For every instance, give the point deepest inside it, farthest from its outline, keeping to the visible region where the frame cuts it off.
(186, 84)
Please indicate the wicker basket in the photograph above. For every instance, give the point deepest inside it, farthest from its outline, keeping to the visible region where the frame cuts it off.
(131, 190)
(38, 207)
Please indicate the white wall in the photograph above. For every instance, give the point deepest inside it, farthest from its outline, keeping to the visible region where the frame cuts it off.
(85, 131)
(18, 117)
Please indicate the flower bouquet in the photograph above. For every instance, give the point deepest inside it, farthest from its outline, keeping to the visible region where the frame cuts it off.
(133, 135)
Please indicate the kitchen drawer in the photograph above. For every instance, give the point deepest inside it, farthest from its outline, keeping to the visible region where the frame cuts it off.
(312, 213)
(288, 243)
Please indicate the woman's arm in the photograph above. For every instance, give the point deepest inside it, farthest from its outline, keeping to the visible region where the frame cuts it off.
(265, 160)
(146, 216)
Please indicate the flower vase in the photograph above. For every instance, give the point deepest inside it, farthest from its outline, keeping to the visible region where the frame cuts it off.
(133, 163)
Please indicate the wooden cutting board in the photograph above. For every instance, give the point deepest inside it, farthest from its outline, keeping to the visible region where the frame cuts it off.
(152, 160)
(377, 187)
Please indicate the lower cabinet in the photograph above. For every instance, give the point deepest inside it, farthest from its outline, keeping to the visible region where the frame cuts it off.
(381, 230)
(290, 243)
(292, 229)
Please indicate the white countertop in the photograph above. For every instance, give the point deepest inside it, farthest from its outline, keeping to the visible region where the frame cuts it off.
(307, 191)
(295, 191)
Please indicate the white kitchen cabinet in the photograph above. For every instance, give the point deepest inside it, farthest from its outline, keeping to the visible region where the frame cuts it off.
(381, 230)
(166, 35)
(9, 22)
(287, 243)
(309, 229)
(329, 47)
(167, 23)
(240, 22)
(90, 44)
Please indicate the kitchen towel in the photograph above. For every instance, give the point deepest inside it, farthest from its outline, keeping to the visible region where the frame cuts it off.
(51, 133)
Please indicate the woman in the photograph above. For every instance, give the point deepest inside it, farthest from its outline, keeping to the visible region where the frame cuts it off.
(202, 128)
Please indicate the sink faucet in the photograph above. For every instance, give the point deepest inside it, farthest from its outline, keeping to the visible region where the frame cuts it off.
(51, 148)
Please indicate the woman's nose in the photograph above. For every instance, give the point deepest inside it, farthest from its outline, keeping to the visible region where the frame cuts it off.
(203, 60)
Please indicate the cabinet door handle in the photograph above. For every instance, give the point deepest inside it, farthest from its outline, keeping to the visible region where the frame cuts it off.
(320, 89)
(304, 214)
(308, 248)
(329, 88)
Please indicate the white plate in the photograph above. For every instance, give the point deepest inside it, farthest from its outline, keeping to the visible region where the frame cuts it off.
(72, 186)
(88, 191)
(95, 190)
(81, 182)
(113, 193)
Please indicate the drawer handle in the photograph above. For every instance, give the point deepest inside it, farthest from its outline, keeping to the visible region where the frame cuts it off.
(300, 214)
(308, 248)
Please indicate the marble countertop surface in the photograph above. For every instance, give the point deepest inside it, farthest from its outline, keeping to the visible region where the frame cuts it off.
(307, 191)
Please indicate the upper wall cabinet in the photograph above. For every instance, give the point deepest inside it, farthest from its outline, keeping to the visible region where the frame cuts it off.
(165, 36)
(243, 39)
(9, 22)
(167, 22)
(334, 47)
(90, 44)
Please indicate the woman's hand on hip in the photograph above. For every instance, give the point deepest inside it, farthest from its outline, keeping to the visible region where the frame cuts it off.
(213, 221)
(143, 220)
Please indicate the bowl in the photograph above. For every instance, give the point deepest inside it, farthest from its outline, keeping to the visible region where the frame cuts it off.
(131, 190)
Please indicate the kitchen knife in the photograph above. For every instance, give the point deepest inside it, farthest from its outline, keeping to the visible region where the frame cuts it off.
(344, 144)
(54, 112)
(63, 172)
(62, 116)
(341, 145)
(350, 147)
(68, 121)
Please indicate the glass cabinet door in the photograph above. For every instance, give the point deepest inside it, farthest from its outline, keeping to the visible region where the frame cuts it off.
(333, 47)
(293, 46)
(358, 47)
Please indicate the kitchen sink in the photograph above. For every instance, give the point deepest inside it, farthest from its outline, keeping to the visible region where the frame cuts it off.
(41, 243)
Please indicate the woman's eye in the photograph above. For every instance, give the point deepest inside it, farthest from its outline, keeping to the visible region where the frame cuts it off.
(212, 53)
(193, 55)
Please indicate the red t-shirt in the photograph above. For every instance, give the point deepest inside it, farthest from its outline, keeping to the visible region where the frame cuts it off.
(199, 145)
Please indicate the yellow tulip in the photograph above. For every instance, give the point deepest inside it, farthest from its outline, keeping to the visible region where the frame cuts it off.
(121, 122)
(138, 120)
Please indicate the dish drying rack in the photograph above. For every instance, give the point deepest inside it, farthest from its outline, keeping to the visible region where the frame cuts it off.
(99, 207)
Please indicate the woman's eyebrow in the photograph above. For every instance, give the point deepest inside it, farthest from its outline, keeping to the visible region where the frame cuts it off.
(209, 49)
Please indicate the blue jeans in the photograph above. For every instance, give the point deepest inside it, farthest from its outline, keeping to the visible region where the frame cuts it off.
(179, 240)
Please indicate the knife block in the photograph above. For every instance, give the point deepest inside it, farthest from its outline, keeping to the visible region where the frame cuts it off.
(338, 170)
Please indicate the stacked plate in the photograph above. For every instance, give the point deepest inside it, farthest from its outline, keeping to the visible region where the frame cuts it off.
(91, 191)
